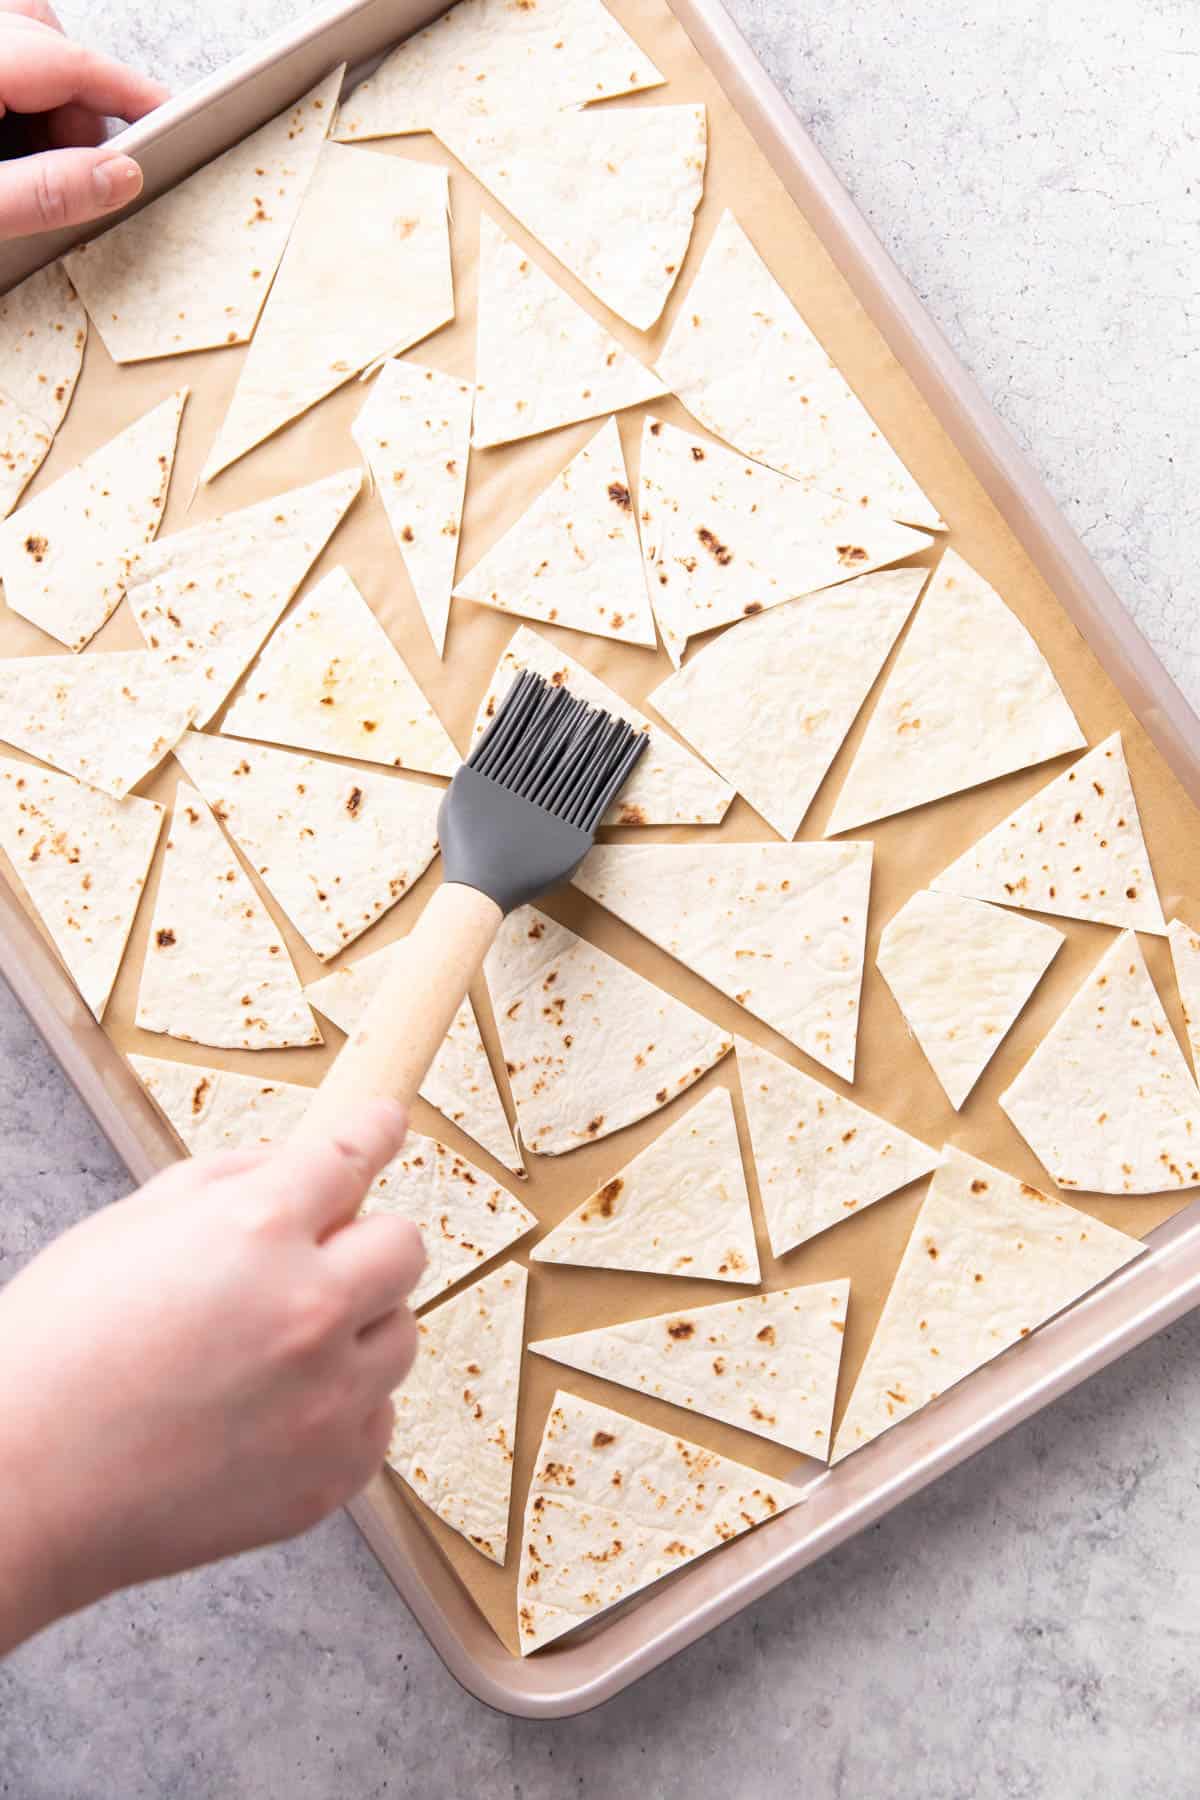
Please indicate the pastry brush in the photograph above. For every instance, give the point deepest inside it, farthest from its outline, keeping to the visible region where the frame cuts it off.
(518, 818)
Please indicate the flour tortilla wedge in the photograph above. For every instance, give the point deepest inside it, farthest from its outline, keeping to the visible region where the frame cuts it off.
(213, 592)
(66, 556)
(589, 1045)
(82, 858)
(611, 193)
(217, 971)
(1185, 960)
(780, 928)
(541, 361)
(747, 366)
(961, 972)
(820, 1157)
(415, 432)
(989, 1260)
(802, 692)
(486, 56)
(1106, 1102)
(336, 846)
(767, 1363)
(970, 697)
(1075, 849)
(465, 1219)
(459, 1082)
(679, 1208)
(573, 558)
(669, 786)
(456, 1412)
(331, 679)
(725, 539)
(43, 330)
(192, 269)
(614, 1505)
(380, 223)
(106, 719)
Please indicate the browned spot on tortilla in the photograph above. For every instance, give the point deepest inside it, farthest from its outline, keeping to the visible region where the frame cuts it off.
(766, 1335)
(537, 929)
(656, 428)
(681, 1329)
(979, 1187)
(631, 814)
(600, 1438)
(849, 554)
(354, 800)
(661, 1096)
(407, 534)
(697, 453)
(714, 546)
(198, 1092)
(37, 547)
(370, 724)
(619, 494)
(164, 938)
(593, 1125)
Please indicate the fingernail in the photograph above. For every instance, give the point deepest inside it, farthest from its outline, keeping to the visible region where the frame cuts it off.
(116, 181)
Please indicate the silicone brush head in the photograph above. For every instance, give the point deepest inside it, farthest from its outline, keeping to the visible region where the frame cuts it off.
(522, 811)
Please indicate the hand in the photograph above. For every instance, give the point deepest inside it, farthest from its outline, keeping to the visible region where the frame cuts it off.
(73, 176)
(201, 1368)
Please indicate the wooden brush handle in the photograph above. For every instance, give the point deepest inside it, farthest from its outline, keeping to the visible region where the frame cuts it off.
(407, 1019)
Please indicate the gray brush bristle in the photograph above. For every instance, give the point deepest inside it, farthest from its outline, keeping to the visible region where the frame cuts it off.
(548, 747)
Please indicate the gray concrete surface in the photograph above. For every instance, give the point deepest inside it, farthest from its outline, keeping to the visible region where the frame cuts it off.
(1031, 1627)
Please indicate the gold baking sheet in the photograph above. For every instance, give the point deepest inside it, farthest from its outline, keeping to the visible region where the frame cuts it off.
(892, 1076)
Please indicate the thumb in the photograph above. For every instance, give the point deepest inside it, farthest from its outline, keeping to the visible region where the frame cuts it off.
(64, 187)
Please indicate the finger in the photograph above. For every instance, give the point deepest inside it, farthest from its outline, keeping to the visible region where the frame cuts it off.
(38, 10)
(387, 1352)
(224, 1163)
(64, 187)
(52, 71)
(73, 125)
(325, 1183)
(377, 1430)
(379, 1259)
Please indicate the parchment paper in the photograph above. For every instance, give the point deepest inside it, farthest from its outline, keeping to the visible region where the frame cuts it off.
(893, 1077)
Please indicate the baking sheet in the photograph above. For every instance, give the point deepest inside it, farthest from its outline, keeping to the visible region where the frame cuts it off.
(892, 1076)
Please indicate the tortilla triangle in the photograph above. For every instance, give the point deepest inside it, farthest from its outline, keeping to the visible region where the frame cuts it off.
(43, 330)
(107, 719)
(541, 361)
(961, 972)
(1106, 1102)
(611, 193)
(725, 539)
(614, 1505)
(380, 221)
(459, 1082)
(820, 1157)
(590, 1046)
(485, 55)
(331, 679)
(747, 366)
(456, 1412)
(767, 1362)
(989, 1260)
(780, 928)
(1185, 960)
(335, 845)
(65, 558)
(969, 697)
(679, 1208)
(1075, 849)
(213, 592)
(669, 786)
(415, 432)
(802, 689)
(465, 1218)
(573, 558)
(191, 270)
(217, 971)
(83, 859)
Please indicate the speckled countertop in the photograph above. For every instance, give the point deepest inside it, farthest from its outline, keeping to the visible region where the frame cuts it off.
(1030, 1627)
